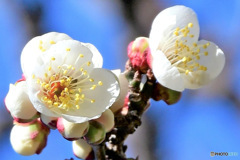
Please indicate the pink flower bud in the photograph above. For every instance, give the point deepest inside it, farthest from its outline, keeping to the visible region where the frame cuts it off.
(29, 138)
(138, 51)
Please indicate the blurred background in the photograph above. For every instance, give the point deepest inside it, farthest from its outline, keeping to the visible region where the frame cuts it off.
(203, 121)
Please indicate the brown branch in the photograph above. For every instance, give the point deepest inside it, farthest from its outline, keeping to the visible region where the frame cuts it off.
(113, 147)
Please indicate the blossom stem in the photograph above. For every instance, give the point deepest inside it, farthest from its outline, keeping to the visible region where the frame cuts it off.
(113, 147)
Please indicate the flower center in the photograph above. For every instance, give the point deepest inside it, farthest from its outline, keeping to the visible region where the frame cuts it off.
(64, 87)
(182, 55)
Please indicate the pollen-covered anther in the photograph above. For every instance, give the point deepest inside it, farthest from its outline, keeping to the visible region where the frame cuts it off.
(93, 87)
(66, 89)
(85, 73)
(69, 67)
(100, 83)
(183, 55)
(190, 25)
(77, 106)
(52, 42)
(68, 49)
(65, 72)
(79, 90)
(69, 79)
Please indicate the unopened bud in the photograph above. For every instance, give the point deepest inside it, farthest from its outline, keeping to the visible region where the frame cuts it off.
(107, 120)
(138, 51)
(28, 139)
(72, 131)
(82, 150)
(119, 103)
(167, 95)
(96, 133)
(18, 104)
(172, 96)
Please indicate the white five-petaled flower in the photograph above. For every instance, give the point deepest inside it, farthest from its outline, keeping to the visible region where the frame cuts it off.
(179, 60)
(65, 78)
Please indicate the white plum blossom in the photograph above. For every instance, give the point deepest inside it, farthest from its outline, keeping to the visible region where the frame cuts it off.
(65, 78)
(179, 60)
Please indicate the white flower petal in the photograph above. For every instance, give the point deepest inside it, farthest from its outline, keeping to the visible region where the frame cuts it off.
(70, 52)
(214, 62)
(166, 74)
(77, 119)
(104, 96)
(166, 23)
(33, 50)
(117, 72)
(97, 57)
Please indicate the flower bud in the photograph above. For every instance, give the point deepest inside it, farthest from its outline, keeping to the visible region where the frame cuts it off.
(51, 122)
(138, 51)
(82, 150)
(118, 104)
(167, 95)
(18, 104)
(107, 120)
(171, 96)
(29, 138)
(96, 133)
(72, 131)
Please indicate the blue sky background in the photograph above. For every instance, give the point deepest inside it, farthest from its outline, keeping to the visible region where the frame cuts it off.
(204, 120)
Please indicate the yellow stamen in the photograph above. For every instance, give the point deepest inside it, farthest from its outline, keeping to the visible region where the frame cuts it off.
(190, 25)
(100, 83)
